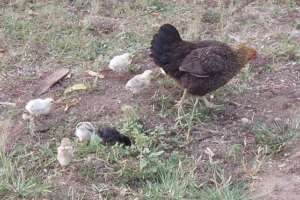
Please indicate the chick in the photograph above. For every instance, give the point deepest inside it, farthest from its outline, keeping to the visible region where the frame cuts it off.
(37, 107)
(112, 136)
(120, 63)
(84, 131)
(139, 82)
(65, 152)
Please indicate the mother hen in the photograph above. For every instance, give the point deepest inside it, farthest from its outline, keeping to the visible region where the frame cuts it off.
(199, 67)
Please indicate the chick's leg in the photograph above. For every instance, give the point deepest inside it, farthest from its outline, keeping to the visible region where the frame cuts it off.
(208, 104)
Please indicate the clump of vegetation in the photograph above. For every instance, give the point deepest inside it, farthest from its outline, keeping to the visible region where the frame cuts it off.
(273, 139)
(17, 180)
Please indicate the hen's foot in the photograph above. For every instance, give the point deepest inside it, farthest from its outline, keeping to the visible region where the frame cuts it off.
(209, 104)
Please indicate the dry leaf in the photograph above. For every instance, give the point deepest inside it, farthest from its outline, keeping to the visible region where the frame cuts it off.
(51, 80)
(76, 87)
(95, 74)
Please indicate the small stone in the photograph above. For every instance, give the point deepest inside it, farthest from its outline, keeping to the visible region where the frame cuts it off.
(245, 121)
(286, 154)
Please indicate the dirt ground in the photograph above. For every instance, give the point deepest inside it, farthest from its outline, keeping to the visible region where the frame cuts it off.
(279, 179)
(266, 92)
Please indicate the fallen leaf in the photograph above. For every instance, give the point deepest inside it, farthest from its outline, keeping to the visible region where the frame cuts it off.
(50, 81)
(76, 87)
(2, 50)
(95, 74)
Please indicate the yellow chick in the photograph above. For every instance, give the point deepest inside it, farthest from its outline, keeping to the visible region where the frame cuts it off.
(120, 63)
(38, 107)
(139, 82)
(65, 152)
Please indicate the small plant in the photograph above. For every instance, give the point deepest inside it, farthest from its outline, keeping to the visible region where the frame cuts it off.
(174, 180)
(156, 5)
(235, 151)
(233, 192)
(164, 104)
(222, 187)
(17, 181)
(273, 139)
(191, 114)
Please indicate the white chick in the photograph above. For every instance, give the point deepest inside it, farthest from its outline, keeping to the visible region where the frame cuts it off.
(65, 152)
(120, 63)
(139, 82)
(84, 131)
(38, 107)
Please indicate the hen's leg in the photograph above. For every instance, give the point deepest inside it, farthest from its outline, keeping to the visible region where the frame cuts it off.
(208, 104)
(180, 102)
(179, 106)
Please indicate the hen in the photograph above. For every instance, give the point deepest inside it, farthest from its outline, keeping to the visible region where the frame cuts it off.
(199, 67)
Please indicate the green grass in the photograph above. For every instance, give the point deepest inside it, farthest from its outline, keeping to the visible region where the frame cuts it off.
(227, 193)
(18, 181)
(173, 181)
(273, 139)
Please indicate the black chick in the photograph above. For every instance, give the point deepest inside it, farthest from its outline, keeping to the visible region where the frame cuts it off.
(112, 136)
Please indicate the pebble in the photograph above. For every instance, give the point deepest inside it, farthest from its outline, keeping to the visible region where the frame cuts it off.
(245, 121)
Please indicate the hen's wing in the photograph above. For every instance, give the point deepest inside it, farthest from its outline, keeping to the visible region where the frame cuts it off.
(206, 61)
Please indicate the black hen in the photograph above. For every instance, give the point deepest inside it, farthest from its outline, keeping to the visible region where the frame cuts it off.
(199, 67)
(112, 136)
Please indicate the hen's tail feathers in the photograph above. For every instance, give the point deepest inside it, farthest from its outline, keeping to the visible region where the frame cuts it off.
(162, 43)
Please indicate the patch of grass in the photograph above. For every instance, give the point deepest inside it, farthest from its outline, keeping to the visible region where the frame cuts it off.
(234, 192)
(292, 4)
(145, 165)
(222, 188)
(164, 104)
(273, 139)
(174, 181)
(235, 151)
(191, 114)
(286, 49)
(16, 180)
(156, 5)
